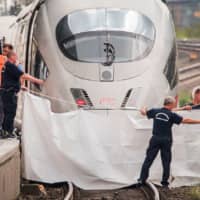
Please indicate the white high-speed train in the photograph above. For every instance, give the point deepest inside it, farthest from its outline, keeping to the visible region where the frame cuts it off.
(102, 54)
(106, 56)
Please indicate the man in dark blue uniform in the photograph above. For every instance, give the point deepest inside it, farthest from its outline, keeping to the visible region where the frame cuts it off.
(161, 140)
(10, 86)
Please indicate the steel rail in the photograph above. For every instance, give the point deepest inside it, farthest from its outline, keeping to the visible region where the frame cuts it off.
(189, 72)
(190, 45)
(69, 195)
(150, 191)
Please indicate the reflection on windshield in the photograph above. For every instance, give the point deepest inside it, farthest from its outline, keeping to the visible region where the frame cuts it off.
(90, 47)
(105, 40)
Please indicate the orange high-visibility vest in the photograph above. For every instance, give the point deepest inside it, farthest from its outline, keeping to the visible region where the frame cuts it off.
(2, 62)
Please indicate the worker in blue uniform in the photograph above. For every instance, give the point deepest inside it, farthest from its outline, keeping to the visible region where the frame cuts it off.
(12, 77)
(164, 118)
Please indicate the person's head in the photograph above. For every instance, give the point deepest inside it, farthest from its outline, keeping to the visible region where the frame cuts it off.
(7, 48)
(196, 95)
(12, 57)
(170, 103)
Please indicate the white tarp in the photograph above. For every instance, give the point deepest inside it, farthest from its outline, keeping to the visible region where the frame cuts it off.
(101, 149)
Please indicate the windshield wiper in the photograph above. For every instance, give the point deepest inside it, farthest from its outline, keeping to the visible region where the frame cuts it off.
(110, 54)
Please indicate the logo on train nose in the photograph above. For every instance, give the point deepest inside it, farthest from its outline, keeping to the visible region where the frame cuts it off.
(107, 101)
(110, 54)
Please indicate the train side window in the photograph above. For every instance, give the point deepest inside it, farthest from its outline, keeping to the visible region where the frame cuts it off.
(171, 71)
(21, 41)
(39, 68)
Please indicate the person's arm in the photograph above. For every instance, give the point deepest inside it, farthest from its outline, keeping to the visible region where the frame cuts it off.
(183, 108)
(190, 121)
(149, 113)
(31, 79)
(23, 86)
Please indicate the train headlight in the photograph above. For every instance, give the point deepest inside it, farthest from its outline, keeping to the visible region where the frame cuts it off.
(81, 98)
(81, 102)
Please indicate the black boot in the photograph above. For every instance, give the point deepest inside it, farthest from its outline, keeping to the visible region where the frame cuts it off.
(1, 134)
(4, 134)
(165, 184)
(7, 135)
(12, 135)
(140, 183)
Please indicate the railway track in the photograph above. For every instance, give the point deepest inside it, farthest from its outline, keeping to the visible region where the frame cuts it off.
(189, 76)
(190, 45)
(152, 193)
(67, 191)
(189, 72)
(147, 192)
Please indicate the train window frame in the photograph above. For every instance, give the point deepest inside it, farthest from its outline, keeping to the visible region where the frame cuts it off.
(20, 40)
(164, 1)
(34, 53)
(171, 70)
(69, 36)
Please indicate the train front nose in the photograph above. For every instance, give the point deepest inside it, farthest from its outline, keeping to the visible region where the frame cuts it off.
(108, 46)
(105, 39)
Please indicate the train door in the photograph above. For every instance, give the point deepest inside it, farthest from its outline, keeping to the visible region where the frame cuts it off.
(23, 44)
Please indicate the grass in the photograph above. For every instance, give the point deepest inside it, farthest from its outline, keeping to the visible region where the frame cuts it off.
(189, 32)
(195, 193)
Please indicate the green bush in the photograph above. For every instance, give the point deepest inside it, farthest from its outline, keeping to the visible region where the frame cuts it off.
(190, 32)
(184, 98)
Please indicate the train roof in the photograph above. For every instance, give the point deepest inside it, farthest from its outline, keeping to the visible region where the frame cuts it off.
(28, 9)
(5, 23)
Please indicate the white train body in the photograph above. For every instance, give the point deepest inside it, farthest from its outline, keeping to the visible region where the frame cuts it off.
(106, 56)
(101, 54)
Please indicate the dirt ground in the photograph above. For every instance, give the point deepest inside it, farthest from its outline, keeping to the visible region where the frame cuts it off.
(48, 192)
(183, 193)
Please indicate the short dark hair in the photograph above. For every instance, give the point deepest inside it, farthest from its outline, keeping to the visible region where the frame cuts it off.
(197, 91)
(9, 46)
(10, 54)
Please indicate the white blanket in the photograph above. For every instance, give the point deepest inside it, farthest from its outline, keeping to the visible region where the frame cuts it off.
(100, 149)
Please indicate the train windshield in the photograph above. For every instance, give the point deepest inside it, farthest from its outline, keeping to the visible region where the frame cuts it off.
(105, 35)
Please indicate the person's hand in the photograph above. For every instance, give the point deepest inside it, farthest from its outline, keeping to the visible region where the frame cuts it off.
(24, 88)
(187, 108)
(143, 111)
(40, 82)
